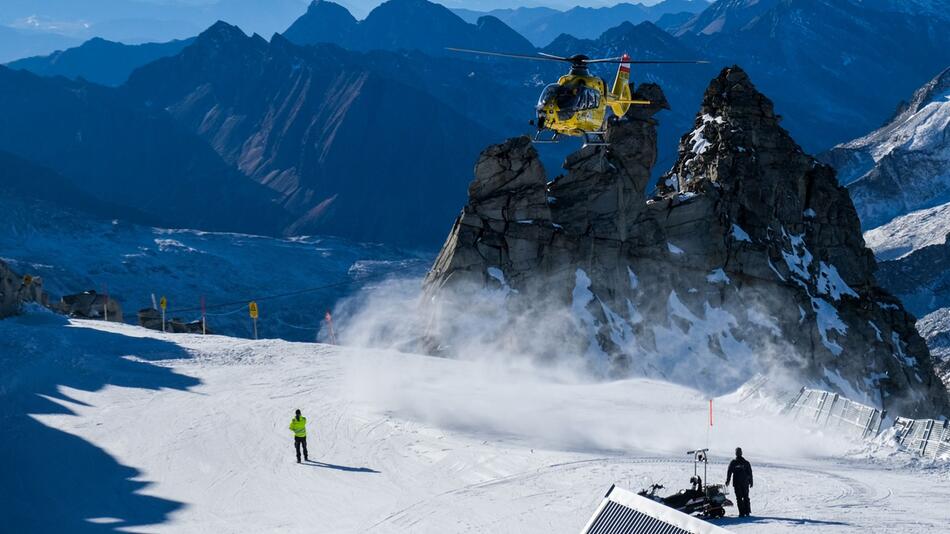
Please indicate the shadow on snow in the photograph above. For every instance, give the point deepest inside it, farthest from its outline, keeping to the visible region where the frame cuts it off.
(53, 481)
(348, 469)
(769, 519)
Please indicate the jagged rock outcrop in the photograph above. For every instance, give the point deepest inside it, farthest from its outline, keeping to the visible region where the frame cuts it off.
(15, 290)
(748, 260)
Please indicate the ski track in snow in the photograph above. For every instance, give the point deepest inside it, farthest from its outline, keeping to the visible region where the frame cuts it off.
(223, 450)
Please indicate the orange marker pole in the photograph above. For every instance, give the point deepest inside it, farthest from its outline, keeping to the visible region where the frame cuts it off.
(329, 319)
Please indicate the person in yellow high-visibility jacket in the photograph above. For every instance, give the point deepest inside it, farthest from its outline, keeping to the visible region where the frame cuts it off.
(299, 427)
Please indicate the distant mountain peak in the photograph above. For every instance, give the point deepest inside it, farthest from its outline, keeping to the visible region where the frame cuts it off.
(904, 165)
(412, 7)
(930, 91)
(221, 32)
(328, 9)
(227, 39)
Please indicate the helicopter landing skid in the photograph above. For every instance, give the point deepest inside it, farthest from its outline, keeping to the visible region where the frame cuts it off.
(552, 139)
(595, 139)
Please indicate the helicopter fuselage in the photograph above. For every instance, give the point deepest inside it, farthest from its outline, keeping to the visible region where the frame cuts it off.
(574, 105)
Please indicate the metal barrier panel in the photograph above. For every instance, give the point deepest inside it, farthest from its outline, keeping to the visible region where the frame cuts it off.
(831, 411)
(927, 437)
(823, 409)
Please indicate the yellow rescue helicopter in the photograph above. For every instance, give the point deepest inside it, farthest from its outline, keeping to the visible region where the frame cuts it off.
(578, 103)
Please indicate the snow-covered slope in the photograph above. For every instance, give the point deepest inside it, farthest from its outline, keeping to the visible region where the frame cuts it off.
(74, 253)
(904, 165)
(111, 428)
(908, 233)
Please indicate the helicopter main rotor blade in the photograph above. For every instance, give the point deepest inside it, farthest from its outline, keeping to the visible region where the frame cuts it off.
(544, 57)
(642, 61)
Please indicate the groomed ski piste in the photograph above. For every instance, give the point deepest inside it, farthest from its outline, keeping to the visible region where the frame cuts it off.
(113, 428)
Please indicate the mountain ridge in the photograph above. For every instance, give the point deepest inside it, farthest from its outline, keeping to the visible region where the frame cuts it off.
(99, 60)
(402, 25)
(293, 118)
(126, 155)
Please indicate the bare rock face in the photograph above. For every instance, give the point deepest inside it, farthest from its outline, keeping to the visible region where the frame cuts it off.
(15, 290)
(748, 260)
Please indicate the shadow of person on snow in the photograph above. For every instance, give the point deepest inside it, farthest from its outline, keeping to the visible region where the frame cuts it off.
(53, 481)
(768, 519)
(348, 469)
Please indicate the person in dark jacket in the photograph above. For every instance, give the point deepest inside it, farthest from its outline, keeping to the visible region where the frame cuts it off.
(740, 471)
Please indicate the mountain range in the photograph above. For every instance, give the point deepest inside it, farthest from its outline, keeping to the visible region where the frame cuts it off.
(403, 25)
(299, 113)
(835, 68)
(898, 178)
(16, 43)
(904, 165)
(338, 143)
(126, 155)
(541, 25)
(39, 27)
(98, 60)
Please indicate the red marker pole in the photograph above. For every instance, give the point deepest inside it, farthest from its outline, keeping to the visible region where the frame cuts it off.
(710, 413)
(204, 329)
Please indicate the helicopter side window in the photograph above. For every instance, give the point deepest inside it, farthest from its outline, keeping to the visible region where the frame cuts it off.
(585, 98)
(570, 98)
(578, 98)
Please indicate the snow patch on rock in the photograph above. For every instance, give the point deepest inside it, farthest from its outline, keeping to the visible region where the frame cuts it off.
(830, 282)
(739, 234)
(828, 320)
(718, 276)
(581, 298)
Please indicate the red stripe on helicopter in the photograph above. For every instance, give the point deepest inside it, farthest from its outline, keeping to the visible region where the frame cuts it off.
(625, 67)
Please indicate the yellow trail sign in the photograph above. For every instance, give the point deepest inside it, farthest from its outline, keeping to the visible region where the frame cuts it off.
(162, 303)
(253, 309)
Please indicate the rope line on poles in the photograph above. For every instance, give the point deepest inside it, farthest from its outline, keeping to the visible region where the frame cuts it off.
(339, 283)
(277, 319)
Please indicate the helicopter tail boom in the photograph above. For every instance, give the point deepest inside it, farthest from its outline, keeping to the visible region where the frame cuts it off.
(622, 80)
(619, 100)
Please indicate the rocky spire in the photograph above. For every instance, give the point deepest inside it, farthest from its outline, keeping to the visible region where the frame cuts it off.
(749, 260)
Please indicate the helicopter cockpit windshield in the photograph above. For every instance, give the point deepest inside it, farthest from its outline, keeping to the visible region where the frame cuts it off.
(549, 94)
